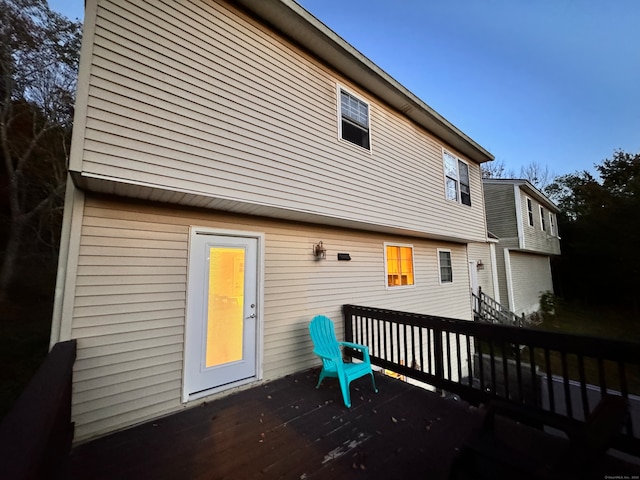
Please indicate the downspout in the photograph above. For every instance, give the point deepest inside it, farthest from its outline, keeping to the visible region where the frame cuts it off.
(507, 271)
(73, 198)
(520, 225)
(494, 272)
(63, 259)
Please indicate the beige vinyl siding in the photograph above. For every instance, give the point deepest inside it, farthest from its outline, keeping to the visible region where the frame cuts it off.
(481, 251)
(531, 276)
(195, 97)
(500, 206)
(129, 311)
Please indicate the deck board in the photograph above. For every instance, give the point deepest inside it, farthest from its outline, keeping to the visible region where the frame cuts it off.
(288, 429)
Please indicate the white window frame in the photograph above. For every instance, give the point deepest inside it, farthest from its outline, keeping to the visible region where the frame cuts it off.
(386, 265)
(529, 204)
(552, 224)
(359, 98)
(542, 219)
(443, 282)
(454, 178)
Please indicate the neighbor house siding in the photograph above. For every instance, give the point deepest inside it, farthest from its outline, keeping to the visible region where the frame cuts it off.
(500, 206)
(535, 238)
(197, 98)
(531, 276)
(129, 311)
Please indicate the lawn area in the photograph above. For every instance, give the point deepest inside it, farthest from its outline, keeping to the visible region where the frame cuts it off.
(604, 322)
(599, 322)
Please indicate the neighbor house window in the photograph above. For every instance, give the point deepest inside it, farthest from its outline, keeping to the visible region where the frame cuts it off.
(445, 267)
(530, 211)
(399, 265)
(354, 120)
(543, 223)
(456, 174)
(552, 223)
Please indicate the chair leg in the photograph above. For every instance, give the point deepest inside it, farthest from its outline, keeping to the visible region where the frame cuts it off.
(320, 378)
(346, 394)
(373, 382)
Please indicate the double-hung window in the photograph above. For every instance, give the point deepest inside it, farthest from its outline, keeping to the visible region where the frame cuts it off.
(456, 174)
(354, 119)
(445, 266)
(552, 224)
(543, 223)
(399, 265)
(530, 211)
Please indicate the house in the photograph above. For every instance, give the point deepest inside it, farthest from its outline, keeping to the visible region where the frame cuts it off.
(236, 168)
(525, 222)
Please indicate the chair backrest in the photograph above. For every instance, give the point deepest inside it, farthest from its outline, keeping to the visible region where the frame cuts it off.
(323, 336)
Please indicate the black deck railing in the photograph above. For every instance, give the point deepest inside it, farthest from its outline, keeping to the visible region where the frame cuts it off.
(36, 434)
(556, 378)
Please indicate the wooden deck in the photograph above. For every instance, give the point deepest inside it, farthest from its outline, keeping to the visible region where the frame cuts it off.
(288, 429)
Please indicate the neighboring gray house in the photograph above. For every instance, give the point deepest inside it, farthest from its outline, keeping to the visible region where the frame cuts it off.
(216, 145)
(525, 222)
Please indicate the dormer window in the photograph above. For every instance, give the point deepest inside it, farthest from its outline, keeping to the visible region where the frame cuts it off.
(354, 120)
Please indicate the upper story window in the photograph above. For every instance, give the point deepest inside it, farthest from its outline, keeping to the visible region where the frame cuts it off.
(543, 223)
(530, 211)
(354, 119)
(445, 266)
(399, 264)
(456, 174)
(552, 223)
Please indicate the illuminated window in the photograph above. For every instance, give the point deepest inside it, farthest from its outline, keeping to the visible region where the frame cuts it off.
(445, 266)
(399, 265)
(354, 120)
(456, 174)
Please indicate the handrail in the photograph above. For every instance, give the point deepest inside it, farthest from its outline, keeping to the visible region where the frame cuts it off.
(557, 377)
(36, 434)
(487, 309)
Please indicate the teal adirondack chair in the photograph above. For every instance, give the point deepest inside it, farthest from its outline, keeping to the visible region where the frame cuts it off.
(327, 347)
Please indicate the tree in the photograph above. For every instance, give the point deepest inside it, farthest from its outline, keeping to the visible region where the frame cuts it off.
(539, 176)
(600, 229)
(39, 55)
(496, 169)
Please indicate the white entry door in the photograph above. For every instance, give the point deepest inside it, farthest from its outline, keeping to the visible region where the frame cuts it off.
(473, 276)
(221, 329)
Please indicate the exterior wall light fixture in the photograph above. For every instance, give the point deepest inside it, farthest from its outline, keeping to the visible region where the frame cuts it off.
(480, 265)
(319, 251)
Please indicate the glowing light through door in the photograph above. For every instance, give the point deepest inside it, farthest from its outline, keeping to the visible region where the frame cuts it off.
(225, 311)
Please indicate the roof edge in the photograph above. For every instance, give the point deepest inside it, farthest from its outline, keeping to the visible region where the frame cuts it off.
(300, 26)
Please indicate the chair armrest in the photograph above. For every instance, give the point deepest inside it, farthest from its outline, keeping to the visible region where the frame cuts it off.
(357, 346)
(328, 357)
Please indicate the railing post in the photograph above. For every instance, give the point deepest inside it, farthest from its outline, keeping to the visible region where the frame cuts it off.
(348, 323)
(439, 355)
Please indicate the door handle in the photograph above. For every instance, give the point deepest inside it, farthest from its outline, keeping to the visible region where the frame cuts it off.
(253, 315)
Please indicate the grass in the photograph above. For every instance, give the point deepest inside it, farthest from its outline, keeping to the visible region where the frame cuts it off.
(601, 322)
